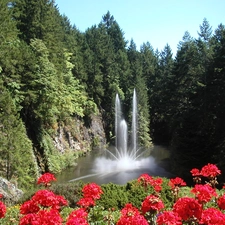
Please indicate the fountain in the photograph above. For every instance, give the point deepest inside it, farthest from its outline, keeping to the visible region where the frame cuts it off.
(126, 161)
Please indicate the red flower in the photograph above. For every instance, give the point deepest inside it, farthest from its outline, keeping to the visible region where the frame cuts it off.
(86, 202)
(212, 216)
(30, 219)
(51, 217)
(203, 193)
(2, 209)
(43, 217)
(130, 210)
(92, 190)
(156, 183)
(195, 172)
(169, 218)
(46, 178)
(77, 217)
(210, 170)
(221, 202)
(131, 215)
(77, 221)
(187, 208)
(151, 203)
(48, 198)
(176, 182)
(29, 207)
(144, 179)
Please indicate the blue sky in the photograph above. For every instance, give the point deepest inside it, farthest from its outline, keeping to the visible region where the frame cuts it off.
(157, 21)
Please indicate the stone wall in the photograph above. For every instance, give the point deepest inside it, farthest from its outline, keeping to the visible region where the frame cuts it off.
(79, 136)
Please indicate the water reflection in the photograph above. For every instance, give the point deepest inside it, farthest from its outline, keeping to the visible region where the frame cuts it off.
(94, 167)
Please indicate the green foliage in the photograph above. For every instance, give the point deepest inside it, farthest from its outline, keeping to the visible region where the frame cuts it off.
(12, 216)
(72, 191)
(17, 159)
(99, 216)
(56, 160)
(137, 193)
(114, 196)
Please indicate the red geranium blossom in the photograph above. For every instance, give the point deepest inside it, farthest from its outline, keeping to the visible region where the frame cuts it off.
(29, 206)
(188, 208)
(77, 217)
(221, 202)
(46, 198)
(30, 219)
(212, 216)
(151, 203)
(156, 183)
(46, 178)
(2, 209)
(92, 190)
(86, 202)
(43, 217)
(195, 172)
(210, 170)
(131, 215)
(176, 182)
(203, 193)
(169, 218)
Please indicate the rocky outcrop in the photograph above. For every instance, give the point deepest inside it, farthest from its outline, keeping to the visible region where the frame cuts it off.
(9, 191)
(79, 136)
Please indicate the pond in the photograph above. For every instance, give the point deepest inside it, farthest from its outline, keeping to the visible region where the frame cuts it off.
(96, 167)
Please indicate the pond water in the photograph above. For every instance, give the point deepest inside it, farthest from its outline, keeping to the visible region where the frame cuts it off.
(95, 167)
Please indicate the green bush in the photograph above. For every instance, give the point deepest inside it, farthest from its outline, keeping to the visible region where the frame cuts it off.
(72, 191)
(166, 195)
(136, 193)
(114, 196)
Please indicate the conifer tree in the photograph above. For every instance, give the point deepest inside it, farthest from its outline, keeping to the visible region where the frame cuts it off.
(17, 159)
(138, 81)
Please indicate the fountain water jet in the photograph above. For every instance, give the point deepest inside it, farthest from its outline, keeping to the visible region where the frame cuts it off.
(127, 156)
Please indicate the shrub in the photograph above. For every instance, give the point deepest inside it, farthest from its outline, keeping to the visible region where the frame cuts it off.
(114, 196)
(71, 191)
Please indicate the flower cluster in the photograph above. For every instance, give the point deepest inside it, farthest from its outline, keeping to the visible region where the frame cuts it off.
(169, 218)
(209, 171)
(175, 184)
(212, 216)
(46, 179)
(146, 180)
(188, 209)
(42, 208)
(131, 215)
(78, 216)
(91, 192)
(152, 204)
(2, 209)
(203, 193)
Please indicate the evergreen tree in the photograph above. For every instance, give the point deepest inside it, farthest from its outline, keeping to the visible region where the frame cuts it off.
(162, 91)
(93, 47)
(17, 159)
(138, 81)
(191, 128)
(216, 93)
(41, 20)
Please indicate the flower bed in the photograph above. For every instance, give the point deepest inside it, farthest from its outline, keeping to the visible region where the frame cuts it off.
(202, 204)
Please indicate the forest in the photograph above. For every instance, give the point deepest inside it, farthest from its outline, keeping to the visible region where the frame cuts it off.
(50, 73)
